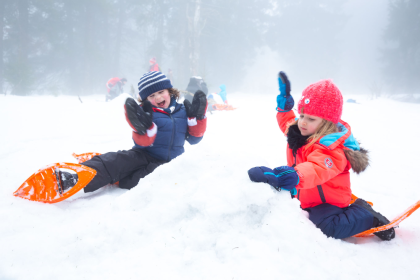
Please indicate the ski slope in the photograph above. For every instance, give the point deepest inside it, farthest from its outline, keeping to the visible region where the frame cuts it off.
(198, 217)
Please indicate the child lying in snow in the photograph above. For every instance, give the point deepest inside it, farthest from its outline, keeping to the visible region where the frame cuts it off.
(321, 151)
(160, 127)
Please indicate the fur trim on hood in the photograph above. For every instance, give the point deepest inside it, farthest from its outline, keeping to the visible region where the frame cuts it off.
(359, 160)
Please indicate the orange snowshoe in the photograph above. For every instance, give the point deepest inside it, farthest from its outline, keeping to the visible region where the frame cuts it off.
(84, 157)
(45, 185)
(353, 199)
(394, 223)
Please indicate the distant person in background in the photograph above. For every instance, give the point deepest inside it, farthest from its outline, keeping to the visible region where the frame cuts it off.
(196, 83)
(218, 101)
(114, 87)
(153, 65)
(223, 93)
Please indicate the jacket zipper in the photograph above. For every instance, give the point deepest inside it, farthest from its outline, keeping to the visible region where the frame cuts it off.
(172, 138)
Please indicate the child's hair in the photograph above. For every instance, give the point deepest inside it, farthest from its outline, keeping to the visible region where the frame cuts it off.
(325, 128)
(173, 92)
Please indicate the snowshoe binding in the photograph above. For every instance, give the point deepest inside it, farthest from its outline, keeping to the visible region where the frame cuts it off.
(65, 180)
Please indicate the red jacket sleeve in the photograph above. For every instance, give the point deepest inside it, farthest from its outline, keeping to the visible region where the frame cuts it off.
(196, 127)
(146, 139)
(283, 119)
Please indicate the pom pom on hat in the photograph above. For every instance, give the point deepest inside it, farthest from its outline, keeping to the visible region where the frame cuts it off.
(152, 82)
(322, 99)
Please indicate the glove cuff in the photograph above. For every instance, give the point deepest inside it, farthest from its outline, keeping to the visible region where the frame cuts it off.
(148, 138)
(196, 127)
(281, 110)
(152, 130)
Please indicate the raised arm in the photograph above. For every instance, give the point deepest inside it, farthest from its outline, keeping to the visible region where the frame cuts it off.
(285, 102)
(141, 121)
(196, 114)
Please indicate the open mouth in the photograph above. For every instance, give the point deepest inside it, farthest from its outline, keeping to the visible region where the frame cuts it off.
(161, 104)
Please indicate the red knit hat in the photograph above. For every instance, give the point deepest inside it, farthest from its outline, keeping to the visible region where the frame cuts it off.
(322, 99)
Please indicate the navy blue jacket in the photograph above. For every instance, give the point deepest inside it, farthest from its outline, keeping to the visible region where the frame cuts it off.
(171, 134)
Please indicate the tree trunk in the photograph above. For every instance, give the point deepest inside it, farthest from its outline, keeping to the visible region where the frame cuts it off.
(21, 84)
(106, 38)
(194, 24)
(117, 52)
(159, 40)
(87, 41)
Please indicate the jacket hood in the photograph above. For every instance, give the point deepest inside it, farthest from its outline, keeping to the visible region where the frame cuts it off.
(344, 136)
(357, 156)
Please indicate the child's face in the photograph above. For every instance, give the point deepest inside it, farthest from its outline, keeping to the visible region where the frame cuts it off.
(160, 99)
(308, 124)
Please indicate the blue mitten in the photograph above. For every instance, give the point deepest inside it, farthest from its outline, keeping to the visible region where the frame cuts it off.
(287, 178)
(285, 101)
(283, 177)
(257, 174)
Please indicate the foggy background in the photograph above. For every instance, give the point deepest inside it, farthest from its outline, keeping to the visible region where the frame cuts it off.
(75, 46)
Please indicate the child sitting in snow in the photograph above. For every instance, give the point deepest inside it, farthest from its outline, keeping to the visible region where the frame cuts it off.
(218, 101)
(213, 99)
(321, 151)
(160, 127)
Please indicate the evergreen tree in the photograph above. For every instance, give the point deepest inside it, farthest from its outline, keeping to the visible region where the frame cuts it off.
(75, 46)
(402, 56)
(18, 72)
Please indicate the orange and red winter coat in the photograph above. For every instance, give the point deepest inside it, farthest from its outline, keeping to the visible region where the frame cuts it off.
(154, 67)
(111, 83)
(323, 167)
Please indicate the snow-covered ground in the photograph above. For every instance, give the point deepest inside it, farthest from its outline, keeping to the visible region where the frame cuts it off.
(198, 217)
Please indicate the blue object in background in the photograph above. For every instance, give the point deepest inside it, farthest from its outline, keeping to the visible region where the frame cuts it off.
(223, 92)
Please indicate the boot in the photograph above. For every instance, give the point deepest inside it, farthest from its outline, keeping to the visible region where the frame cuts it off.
(65, 180)
(378, 220)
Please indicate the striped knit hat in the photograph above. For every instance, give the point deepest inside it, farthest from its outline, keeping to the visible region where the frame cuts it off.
(322, 99)
(152, 82)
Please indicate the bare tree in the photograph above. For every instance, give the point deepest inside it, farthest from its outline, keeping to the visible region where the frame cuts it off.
(375, 89)
(22, 57)
(196, 25)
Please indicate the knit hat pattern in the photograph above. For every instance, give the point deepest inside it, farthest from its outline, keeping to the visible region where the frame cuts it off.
(152, 82)
(322, 99)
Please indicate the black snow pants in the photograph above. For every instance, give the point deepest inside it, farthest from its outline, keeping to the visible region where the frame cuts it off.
(125, 167)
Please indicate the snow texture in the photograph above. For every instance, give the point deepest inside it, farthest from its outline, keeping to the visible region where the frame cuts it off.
(198, 217)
